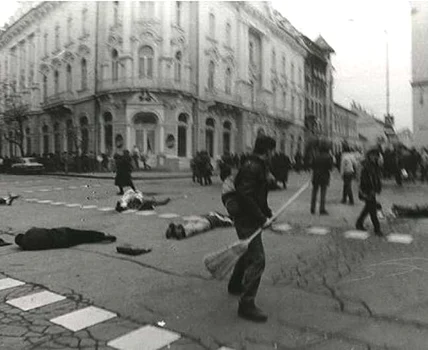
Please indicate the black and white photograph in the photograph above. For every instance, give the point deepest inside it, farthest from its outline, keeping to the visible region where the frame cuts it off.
(214, 175)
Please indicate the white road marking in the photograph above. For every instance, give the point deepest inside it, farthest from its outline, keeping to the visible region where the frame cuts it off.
(168, 216)
(281, 227)
(6, 283)
(191, 218)
(355, 234)
(225, 348)
(72, 187)
(57, 203)
(105, 209)
(44, 190)
(89, 207)
(58, 188)
(318, 230)
(145, 338)
(45, 201)
(33, 301)
(29, 191)
(30, 199)
(97, 185)
(130, 211)
(146, 212)
(83, 318)
(399, 238)
(73, 205)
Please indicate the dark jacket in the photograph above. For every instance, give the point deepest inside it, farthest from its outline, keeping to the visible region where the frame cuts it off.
(42, 238)
(370, 183)
(251, 185)
(321, 167)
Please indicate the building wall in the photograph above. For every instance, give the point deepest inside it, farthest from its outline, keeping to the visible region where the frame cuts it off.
(344, 128)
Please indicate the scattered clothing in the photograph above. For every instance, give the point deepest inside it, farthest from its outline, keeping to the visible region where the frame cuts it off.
(132, 250)
(135, 200)
(3, 243)
(8, 200)
(410, 211)
(62, 237)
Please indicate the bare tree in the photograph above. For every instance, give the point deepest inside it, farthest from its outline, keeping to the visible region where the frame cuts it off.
(13, 115)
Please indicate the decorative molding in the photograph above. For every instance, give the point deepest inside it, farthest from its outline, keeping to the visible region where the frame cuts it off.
(114, 40)
(214, 53)
(83, 50)
(56, 63)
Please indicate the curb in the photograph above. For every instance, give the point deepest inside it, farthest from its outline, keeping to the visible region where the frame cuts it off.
(112, 177)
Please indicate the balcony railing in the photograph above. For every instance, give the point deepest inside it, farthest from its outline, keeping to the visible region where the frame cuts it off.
(136, 83)
(222, 96)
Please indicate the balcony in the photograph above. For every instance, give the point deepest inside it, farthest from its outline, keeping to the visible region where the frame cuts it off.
(223, 97)
(136, 83)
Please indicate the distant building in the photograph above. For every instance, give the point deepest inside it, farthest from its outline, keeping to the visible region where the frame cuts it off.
(371, 130)
(344, 128)
(420, 72)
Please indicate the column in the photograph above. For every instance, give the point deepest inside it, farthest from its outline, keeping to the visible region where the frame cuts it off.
(161, 138)
(166, 33)
(242, 49)
(265, 62)
(126, 25)
(189, 140)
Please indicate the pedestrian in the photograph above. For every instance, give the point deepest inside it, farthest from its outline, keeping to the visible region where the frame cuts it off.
(424, 164)
(251, 185)
(136, 200)
(370, 185)
(280, 166)
(123, 172)
(347, 170)
(62, 237)
(136, 157)
(322, 165)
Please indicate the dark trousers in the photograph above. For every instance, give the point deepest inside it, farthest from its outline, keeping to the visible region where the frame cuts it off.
(249, 268)
(398, 178)
(347, 188)
(369, 209)
(68, 237)
(315, 188)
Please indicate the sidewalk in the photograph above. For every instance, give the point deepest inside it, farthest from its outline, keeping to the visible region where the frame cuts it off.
(137, 175)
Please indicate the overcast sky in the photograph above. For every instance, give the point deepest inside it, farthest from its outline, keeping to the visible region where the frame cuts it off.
(356, 31)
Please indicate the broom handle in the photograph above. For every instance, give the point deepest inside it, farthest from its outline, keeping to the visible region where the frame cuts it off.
(279, 211)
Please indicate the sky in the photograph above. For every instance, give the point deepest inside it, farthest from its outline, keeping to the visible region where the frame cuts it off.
(355, 29)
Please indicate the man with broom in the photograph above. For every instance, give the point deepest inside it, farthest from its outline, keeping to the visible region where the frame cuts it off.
(251, 184)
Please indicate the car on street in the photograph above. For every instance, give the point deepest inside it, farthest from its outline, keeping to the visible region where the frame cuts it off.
(27, 165)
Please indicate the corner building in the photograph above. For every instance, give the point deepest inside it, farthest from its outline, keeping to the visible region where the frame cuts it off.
(170, 77)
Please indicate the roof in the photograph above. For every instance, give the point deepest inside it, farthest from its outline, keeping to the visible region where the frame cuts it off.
(323, 44)
(313, 47)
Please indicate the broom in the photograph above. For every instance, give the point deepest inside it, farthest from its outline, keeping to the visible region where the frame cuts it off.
(221, 262)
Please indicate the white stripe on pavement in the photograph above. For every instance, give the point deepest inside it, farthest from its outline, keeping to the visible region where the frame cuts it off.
(399, 238)
(105, 209)
(57, 203)
(45, 201)
(130, 211)
(58, 188)
(145, 338)
(44, 190)
(168, 216)
(89, 207)
(84, 318)
(146, 212)
(225, 348)
(33, 301)
(317, 230)
(6, 283)
(29, 191)
(355, 234)
(73, 205)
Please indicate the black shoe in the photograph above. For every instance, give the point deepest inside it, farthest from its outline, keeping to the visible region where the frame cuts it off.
(323, 212)
(180, 233)
(360, 227)
(343, 201)
(120, 193)
(235, 290)
(109, 238)
(251, 312)
(170, 231)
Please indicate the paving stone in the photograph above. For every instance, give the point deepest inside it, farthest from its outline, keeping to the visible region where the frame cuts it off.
(12, 330)
(54, 330)
(87, 343)
(38, 329)
(69, 341)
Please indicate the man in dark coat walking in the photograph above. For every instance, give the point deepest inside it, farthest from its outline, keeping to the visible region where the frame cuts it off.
(321, 168)
(370, 185)
(123, 172)
(251, 185)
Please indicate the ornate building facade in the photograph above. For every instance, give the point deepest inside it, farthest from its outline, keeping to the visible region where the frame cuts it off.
(344, 128)
(169, 77)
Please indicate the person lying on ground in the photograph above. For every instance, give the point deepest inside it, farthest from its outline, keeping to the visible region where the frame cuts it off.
(8, 200)
(37, 238)
(411, 211)
(136, 200)
(198, 224)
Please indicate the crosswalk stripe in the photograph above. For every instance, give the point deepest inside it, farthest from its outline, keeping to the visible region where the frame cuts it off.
(73, 205)
(145, 338)
(57, 203)
(6, 283)
(146, 212)
(106, 209)
(168, 216)
(29, 191)
(58, 188)
(36, 300)
(89, 207)
(225, 348)
(44, 190)
(83, 318)
(45, 201)
(355, 234)
(399, 238)
(130, 211)
(318, 230)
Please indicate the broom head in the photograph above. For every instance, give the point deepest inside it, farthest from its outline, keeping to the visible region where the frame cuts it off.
(220, 263)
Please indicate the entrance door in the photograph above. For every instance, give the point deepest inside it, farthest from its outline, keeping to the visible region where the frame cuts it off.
(145, 132)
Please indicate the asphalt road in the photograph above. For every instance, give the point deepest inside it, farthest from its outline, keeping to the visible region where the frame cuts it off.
(320, 291)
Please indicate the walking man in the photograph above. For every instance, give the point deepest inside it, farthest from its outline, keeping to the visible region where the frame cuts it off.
(370, 185)
(123, 172)
(321, 168)
(347, 170)
(251, 185)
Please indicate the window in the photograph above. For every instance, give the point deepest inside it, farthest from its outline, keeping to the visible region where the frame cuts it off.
(284, 66)
(227, 127)
(84, 20)
(31, 75)
(228, 34)
(293, 105)
(284, 100)
(211, 73)
(177, 67)
(146, 55)
(45, 44)
(115, 65)
(228, 81)
(28, 141)
(212, 25)
(57, 38)
(69, 28)
(116, 13)
(182, 135)
(84, 72)
(273, 59)
(22, 79)
(108, 133)
(45, 131)
(57, 139)
(209, 136)
(70, 135)
(84, 131)
(56, 82)
(178, 13)
(45, 87)
(69, 78)
(251, 52)
(292, 74)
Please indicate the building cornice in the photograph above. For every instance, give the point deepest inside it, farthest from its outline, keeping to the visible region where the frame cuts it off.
(32, 16)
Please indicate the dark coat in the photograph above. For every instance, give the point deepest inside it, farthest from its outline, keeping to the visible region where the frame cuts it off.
(370, 183)
(123, 172)
(321, 167)
(251, 185)
(280, 166)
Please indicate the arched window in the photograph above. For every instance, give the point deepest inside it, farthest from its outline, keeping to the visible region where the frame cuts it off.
(45, 87)
(182, 135)
(251, 52)
(56, 82)
(84, 132)
(146, 55)
(228, 81)
(178, 13)
(211, 74)
(45, 132)
(114, 65)
(212, 25)
(69, 78)
(108, 132)
(28, 141)
(84, 73)
(227, 127)
(57, 138)
(57, 38)
(177, 67)
(228, 34)
(209, 136)
(70, 136)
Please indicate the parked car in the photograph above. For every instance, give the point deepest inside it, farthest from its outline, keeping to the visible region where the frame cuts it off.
(27, 165)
